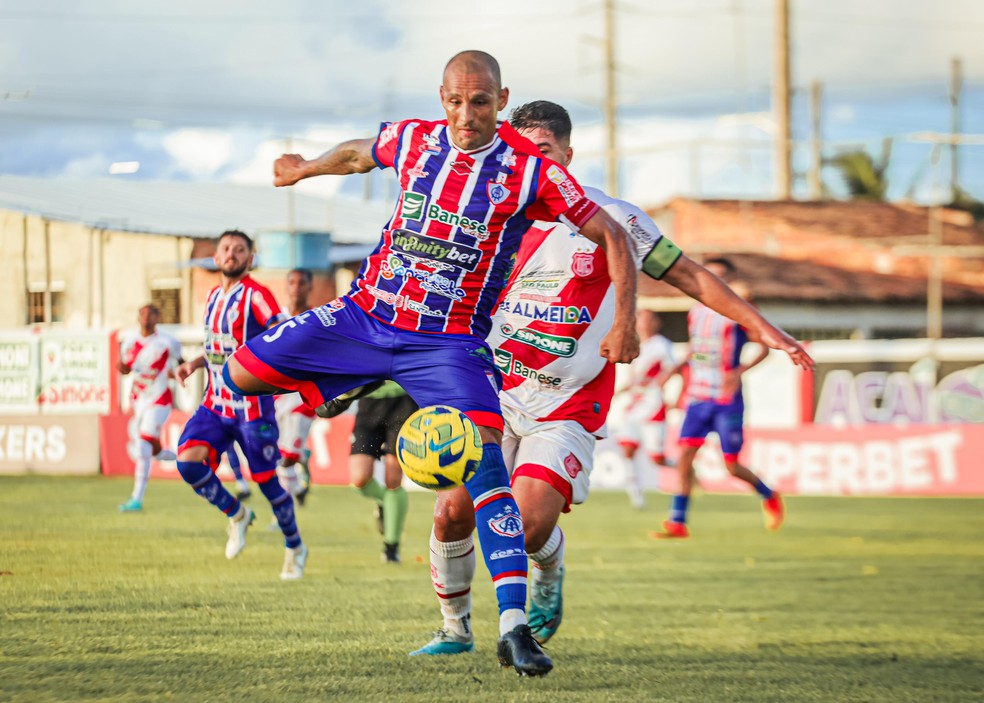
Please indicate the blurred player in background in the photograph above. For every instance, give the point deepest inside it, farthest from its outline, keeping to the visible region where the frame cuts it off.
(638, 411)
(236, 466)
(294, 416)
(419, 310)
(151, 356)
(716, 405)
(237, 310)
(555, 401)
(377, 424)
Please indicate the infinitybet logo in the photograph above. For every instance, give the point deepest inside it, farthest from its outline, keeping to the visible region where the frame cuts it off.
(413, 206)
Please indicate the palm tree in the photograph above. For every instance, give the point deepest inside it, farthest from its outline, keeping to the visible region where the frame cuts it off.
(864, 177)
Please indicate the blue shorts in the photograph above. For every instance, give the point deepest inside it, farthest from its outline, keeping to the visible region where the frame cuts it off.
(332, 349)
(258, 439)
(726, 420)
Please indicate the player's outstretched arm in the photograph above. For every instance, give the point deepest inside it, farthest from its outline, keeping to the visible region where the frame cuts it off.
(700, 284)
(353, 156)
(621, 344)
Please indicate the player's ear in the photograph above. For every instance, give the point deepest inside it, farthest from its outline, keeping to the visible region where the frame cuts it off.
(569, 153)
(503, 99)
(441, 92)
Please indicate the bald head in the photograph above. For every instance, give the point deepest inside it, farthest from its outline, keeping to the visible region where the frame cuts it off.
(473, 61)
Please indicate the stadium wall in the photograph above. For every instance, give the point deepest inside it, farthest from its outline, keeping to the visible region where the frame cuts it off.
(878, 418)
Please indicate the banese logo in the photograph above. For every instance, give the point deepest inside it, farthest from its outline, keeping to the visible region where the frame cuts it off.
(422, 246)
(469, 226)
(413, 206)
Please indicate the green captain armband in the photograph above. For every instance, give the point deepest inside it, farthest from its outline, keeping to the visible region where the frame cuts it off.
(661, 258)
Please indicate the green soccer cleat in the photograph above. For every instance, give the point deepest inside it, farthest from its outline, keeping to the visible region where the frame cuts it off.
(131, 506)
(446, 643)
(546, 608)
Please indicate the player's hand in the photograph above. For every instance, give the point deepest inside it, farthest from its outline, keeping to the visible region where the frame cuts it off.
(621, 344)
(122, 368)
(775, 338)
(288, 170)
(183, 372)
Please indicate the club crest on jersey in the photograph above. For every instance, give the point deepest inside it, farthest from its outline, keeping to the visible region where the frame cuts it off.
(232, 315)
(431, 144)
(572, 466)
(582, 264)
(507, 523)
(497, 193)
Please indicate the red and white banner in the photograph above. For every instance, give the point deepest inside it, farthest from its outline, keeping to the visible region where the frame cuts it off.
(329, 443)
(873, 460)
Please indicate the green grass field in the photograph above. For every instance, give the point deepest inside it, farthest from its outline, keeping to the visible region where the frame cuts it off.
(855, 600)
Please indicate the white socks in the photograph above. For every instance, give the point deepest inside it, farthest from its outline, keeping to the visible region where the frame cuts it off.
(452, 571)
(141, 473)
(547, 561)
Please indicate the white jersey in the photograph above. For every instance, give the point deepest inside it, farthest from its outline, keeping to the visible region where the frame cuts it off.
(150, 358)
(558, 305)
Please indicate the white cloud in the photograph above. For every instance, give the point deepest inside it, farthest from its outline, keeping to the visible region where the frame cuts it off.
(199, 152)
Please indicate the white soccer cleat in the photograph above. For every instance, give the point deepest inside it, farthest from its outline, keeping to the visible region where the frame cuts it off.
(237, 532)
(166, 455)
(294, 562)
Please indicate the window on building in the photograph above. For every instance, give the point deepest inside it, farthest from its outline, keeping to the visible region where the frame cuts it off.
(35, 306)
(168, 301)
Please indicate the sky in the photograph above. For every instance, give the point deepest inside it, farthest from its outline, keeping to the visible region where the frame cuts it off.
(215, 89)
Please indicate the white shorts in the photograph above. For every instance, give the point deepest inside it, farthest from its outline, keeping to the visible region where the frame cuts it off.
(294, 430)
(632, 417)
(559, 452)
(145, 427)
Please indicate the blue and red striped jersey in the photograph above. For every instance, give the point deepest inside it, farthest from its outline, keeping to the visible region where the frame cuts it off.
(231, 318)
(715, 345)
(449, 246)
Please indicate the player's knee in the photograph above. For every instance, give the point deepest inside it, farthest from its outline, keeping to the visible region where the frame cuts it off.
(196, 454)
(733, 467)
(286, 461)
(454, 516)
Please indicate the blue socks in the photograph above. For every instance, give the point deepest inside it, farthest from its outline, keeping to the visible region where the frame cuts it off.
(208, 486)
(283, 510)
(678, 509)
(763, 490)
(500, 529)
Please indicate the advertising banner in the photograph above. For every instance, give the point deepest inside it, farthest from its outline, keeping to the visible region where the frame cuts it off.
(19, 373)
(873, 460)
(74, 372)
(49, 445)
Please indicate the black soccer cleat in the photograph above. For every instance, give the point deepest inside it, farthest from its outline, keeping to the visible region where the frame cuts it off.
(391, 553)
(336, 406)
(518, 649)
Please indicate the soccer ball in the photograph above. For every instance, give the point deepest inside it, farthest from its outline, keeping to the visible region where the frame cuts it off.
(439, 447)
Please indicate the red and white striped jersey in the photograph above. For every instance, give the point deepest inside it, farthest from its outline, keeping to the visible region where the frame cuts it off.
(558, 306)
(231, 318)
(655, 357)
(447, 250)
(150, 358)
(715, 348)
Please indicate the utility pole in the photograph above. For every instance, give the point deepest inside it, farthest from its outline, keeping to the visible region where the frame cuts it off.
(956, 85)
(780, 101)
(816, 141)
(611, 147)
